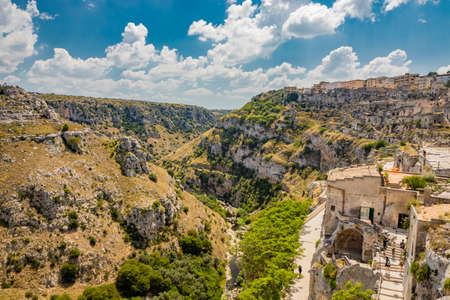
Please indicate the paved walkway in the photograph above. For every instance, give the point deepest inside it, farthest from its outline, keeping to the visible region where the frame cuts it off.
(392, 281)
(308, 237)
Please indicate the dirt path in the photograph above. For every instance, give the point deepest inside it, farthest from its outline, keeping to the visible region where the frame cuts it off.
(308, 237)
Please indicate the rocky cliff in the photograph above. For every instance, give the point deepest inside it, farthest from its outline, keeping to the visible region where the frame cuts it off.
(72, 195)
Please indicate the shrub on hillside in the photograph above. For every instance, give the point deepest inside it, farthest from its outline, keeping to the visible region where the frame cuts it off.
(60, 297)
(195, 244)
(153, 177)
(375, 145)
(330, 273)
(69, 273)
(74, 253)
(74, 144)
(65, 127)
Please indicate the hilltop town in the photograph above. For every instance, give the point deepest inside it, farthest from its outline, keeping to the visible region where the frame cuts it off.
(432, 82)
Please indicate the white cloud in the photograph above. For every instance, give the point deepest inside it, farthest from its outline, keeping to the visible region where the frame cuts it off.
(312, 20)
(166, 75)
(198, 92)
(422, 20)
(343, 64)
(63, 65)
(392, 4)
(396, 63)
(443, 69)
(240, 39)
(253, 31)
(135, 68)
(17, 37)
(360, 9)
(132, 52)
(47, 16)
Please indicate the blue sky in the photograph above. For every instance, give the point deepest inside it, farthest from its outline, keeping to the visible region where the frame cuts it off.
(215, 53)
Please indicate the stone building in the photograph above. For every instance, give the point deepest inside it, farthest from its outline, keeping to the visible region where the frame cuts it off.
(361, 202)
(406, 80)
(428, 241)
(424, 82)
(365, 194)
(353, 84)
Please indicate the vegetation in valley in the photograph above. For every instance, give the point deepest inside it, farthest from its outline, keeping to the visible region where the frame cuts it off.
(268, 249)
(193, 274)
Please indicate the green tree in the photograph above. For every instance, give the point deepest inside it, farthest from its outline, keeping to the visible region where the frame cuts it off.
(137, 279)
(269, 247)
(195, 244)
(352, 292)
(100, 293)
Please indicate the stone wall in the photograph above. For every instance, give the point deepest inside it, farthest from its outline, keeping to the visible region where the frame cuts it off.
(346, 197)
(396, 203)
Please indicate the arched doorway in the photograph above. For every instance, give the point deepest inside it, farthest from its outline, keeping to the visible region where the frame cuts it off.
(349, 242)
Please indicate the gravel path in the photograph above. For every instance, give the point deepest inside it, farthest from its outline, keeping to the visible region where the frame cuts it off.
(308, 237)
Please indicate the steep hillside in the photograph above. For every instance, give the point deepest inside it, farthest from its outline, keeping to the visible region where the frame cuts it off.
(71, 196)
(163, 126)
(259, 157)
(281, 136)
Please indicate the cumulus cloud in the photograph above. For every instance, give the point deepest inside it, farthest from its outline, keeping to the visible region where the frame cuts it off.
(342, 64)
(443, 69)
(165, 75)
(135, 68)
(312, 20)
(253, 31)
(132, 52)
(240, 39)
(389, 5)
(17, 37)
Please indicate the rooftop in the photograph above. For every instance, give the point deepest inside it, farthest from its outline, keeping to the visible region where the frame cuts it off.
(395, 177)
(351, 172)
(438, 211)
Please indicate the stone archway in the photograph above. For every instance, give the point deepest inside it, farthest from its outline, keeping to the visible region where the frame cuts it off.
(349, 242)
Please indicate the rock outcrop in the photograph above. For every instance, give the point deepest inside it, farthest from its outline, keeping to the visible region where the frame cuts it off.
(148, 220)
(131, 158)
(23, 106)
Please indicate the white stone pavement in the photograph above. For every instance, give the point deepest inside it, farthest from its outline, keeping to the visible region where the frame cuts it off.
(308, 237)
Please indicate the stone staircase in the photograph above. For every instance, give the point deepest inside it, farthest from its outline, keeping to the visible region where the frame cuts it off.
(392, 277)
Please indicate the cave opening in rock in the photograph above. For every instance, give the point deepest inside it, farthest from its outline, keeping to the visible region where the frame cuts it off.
(349, 242)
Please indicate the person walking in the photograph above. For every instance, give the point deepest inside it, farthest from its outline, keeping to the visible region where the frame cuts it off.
(299, 270)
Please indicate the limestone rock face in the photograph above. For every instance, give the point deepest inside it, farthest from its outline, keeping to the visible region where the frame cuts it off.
(434, 287)
(40, 199)
(407, 162)
(356, 274)
(131, 158)
(74, 140)
(148, 220)
(319, 288)
(23, 106)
